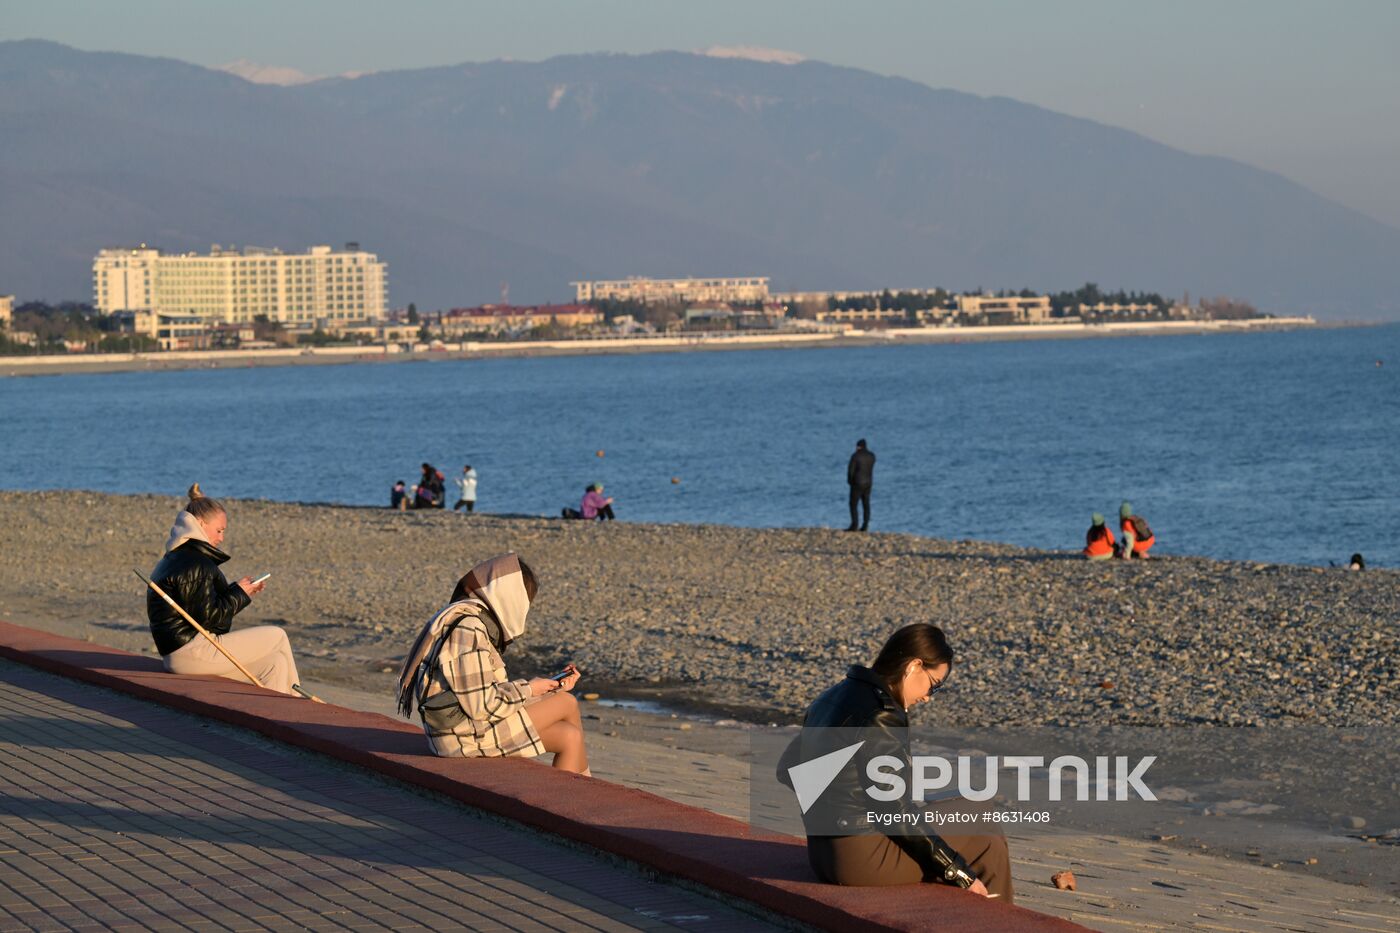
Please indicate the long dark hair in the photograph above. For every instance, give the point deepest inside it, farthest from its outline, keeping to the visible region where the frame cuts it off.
(925, 642)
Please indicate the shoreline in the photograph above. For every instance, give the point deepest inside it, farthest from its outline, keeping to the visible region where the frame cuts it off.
(1269, 690)
(14, 366)
(701, 616)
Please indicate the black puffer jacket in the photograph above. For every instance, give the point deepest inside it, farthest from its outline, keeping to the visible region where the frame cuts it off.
(862, 707)
(190, 575)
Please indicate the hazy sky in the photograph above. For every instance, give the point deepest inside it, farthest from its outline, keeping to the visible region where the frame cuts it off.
(1307, 88)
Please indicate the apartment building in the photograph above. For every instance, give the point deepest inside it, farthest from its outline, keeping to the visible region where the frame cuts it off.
(320, 286)
(515, 317)
(1009, 310)
(657, 291)
(7, 311)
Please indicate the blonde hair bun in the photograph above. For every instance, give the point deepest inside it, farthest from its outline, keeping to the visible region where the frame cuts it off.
(195, 492)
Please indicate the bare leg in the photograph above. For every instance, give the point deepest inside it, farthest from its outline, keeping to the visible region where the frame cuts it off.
(556, 719)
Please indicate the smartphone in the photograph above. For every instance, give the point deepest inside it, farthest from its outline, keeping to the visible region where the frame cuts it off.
(566, 672)
(261, 579)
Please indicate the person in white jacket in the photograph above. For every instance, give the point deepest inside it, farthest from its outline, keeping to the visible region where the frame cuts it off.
(466, 485)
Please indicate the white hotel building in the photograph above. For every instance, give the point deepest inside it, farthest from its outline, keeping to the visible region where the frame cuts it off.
(236, 286)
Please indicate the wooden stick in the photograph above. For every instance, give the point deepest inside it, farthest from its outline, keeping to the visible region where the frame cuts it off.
(212, 640)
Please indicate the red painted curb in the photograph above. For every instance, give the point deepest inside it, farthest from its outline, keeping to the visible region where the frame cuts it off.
(673, 839)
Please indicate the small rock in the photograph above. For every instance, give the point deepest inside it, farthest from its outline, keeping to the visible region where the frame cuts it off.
(1310, 861)
(1355, 822)
(1164, 837)
(590, 697)
(1106, 685)
(1064, 881)
(685, 727)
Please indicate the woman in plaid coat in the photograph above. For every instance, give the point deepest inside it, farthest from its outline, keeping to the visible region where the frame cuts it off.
(456, 679)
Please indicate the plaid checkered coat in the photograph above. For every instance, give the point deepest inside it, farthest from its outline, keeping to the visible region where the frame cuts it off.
(454, 676)
(495, 723)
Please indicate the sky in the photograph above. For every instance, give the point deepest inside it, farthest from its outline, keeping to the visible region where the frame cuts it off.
(1306, 88)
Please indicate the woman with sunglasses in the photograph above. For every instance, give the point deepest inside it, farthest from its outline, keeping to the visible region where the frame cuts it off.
(873, 704)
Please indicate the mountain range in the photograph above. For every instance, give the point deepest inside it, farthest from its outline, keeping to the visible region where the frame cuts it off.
(532, 174)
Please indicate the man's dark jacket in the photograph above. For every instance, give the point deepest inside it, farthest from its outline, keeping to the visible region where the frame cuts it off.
(862, 707)
(190, 575)
(860, 472)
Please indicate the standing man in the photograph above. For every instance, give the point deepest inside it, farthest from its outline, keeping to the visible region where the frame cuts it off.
(860, 473)
(466, 486)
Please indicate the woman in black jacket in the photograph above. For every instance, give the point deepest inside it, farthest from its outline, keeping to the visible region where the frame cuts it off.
(189, 574)
(871, 706)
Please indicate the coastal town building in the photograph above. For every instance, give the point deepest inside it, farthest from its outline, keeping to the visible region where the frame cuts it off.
(171, 331)
(501, 318)
(994, 310)
(7, 310)
(238, 286)
(720, 315)
(1106, 309)
(658, 291)
(825, 298)
(863, 316)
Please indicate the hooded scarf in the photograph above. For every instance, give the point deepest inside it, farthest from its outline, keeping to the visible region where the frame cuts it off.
(495, 594)
(186, 528)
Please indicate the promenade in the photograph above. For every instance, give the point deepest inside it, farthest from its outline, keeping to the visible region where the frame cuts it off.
(104, 825)
(1125, 883)
(121, 814)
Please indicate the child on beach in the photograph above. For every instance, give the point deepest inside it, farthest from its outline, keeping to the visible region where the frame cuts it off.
(466, 489)
(455, 678)
(398, 496)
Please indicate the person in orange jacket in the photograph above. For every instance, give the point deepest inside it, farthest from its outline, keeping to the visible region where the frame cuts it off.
(1137, 534)
(1099, 543)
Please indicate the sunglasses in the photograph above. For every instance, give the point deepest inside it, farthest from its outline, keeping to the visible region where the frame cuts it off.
(936, 685)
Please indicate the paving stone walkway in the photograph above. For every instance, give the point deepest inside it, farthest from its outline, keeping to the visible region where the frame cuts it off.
(1124, 884)
(120, 814)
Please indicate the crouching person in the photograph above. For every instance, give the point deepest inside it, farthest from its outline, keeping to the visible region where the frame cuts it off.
(455, 678)
(871, 706)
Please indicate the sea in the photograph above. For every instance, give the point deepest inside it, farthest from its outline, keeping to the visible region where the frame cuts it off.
(1268, 447)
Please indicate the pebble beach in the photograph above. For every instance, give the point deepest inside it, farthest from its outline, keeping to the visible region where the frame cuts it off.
(754, 622)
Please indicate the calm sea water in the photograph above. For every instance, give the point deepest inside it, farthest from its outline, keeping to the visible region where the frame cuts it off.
(1276, 447)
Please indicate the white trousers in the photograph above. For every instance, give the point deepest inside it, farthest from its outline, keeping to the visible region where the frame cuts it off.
(262, 649)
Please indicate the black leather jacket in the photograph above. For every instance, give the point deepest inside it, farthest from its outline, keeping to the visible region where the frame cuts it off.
(863, 704)
(190, 575)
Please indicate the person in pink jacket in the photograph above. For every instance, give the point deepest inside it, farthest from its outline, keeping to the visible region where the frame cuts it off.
(596, 505)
